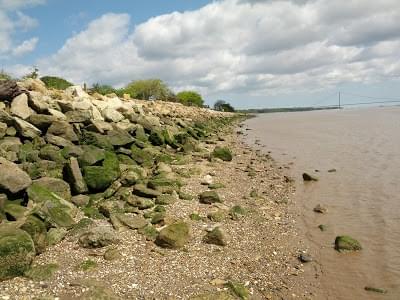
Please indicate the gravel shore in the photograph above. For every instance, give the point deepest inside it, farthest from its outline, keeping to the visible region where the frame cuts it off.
(261, 253)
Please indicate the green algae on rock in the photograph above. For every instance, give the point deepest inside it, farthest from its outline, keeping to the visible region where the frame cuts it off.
(346, 243)
(17, 251)
(223, 153)
(174, 236)
(209, 197)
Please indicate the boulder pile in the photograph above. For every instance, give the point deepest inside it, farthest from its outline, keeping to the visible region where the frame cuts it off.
(67, 157)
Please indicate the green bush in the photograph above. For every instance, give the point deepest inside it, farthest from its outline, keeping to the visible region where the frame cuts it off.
(222, 105)
(4, 75)
(55, 82)
(190, 98)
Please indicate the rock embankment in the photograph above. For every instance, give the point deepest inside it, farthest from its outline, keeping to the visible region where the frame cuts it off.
(67, 157)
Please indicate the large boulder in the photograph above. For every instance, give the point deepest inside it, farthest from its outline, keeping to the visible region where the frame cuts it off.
(42, 122)
(63, 129)
(9, 90)
(99, 178)
(91, 155)
(55, 185)
(17, 251)
(26, 129)
(174, 236)
(51, 208)
(12, 178)
(20, 108)
(38, 232)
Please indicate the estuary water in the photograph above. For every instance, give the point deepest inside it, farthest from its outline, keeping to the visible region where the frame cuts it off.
(362, 196)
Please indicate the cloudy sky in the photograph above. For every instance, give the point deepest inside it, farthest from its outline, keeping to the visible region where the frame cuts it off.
(254, 53)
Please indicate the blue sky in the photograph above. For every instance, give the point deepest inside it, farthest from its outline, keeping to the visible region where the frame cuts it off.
(253, 53)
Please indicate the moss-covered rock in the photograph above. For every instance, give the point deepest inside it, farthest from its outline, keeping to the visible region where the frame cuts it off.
(174, 236)
(51, 208)
(222, 153)
(17, 251)
(41, 272)
(112, 254)
(55, 235)
(215, 186)
(38, 232)
(166, 199)
(98, 237)
(142, 191)
(239, 290)
(55, 185)
(156, 138)
(164, 184)
(346, 243)
(91, 155)
(216, 237)
(100, 178)
(142, 156)
(210, 197)
(217, 216)
(132, 221)
(14, 211)
(140, 202)
(149, 232)
(118, 137)
(96, 139)
(27, 153)
(53, 153)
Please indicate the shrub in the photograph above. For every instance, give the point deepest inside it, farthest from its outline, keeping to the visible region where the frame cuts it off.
(190, 98)
(105, 89)
(55, 82)
(149, 89)
(4, 75)
(222, 105)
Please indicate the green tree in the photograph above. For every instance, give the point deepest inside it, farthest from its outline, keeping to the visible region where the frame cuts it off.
(56, 82)
(34, 74)
(190, 98)
(222, 105)
(105, 89)
(148, 89)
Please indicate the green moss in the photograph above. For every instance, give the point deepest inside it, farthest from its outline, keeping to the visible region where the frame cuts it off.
(53, 153)
(87, 265)
(142, 157)
(215, 186)
(17, 251)
(195, 217)
(38, 232)
(185, 196)
(346, 243)
(92, 212)
(222, 153)
(26, 153)
(174, 236)
(217, 216)
(209, 197)
(41, 272)
(96, 139)
(100, 178)
(149, 232)
(238, 289)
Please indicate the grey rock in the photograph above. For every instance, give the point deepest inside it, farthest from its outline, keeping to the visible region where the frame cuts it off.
(12, 178)
(98, 237)
(42, 122)
(20, 108)
(63, 129)
(80, 200)
(55, 185)
(3, 129)
(74, 176)
(26, 129)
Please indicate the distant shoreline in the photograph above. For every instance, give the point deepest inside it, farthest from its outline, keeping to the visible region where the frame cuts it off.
(286, 109)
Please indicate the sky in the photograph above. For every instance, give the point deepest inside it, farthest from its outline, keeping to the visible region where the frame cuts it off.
(251, 53)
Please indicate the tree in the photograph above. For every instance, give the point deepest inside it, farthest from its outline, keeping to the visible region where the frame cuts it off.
(222, 105)
(56, 82)
(148, 89)
(190, 98)
(34, 74)
(105, 89)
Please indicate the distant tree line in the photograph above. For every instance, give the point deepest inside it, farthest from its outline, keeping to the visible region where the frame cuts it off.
(147, 89)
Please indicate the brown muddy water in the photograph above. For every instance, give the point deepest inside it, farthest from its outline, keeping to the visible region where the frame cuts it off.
(362, 196)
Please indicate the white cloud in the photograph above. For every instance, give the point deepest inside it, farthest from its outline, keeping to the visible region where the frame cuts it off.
(25, 47)
(234, 46)
(13, 21)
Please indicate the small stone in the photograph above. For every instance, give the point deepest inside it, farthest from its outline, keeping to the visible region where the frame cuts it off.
(80, 200)
(98, 237)
(375, 290)
(222, 153)
(207, 180)
(305, 258)
(210, 197)
(320, 209)
(20, 108)
(323, 227)
(216, 236)
(331, 170)
(308, 177)
(12, 178)
(112, 255)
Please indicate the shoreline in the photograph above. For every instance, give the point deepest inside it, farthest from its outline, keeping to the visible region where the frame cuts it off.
(261, 253)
